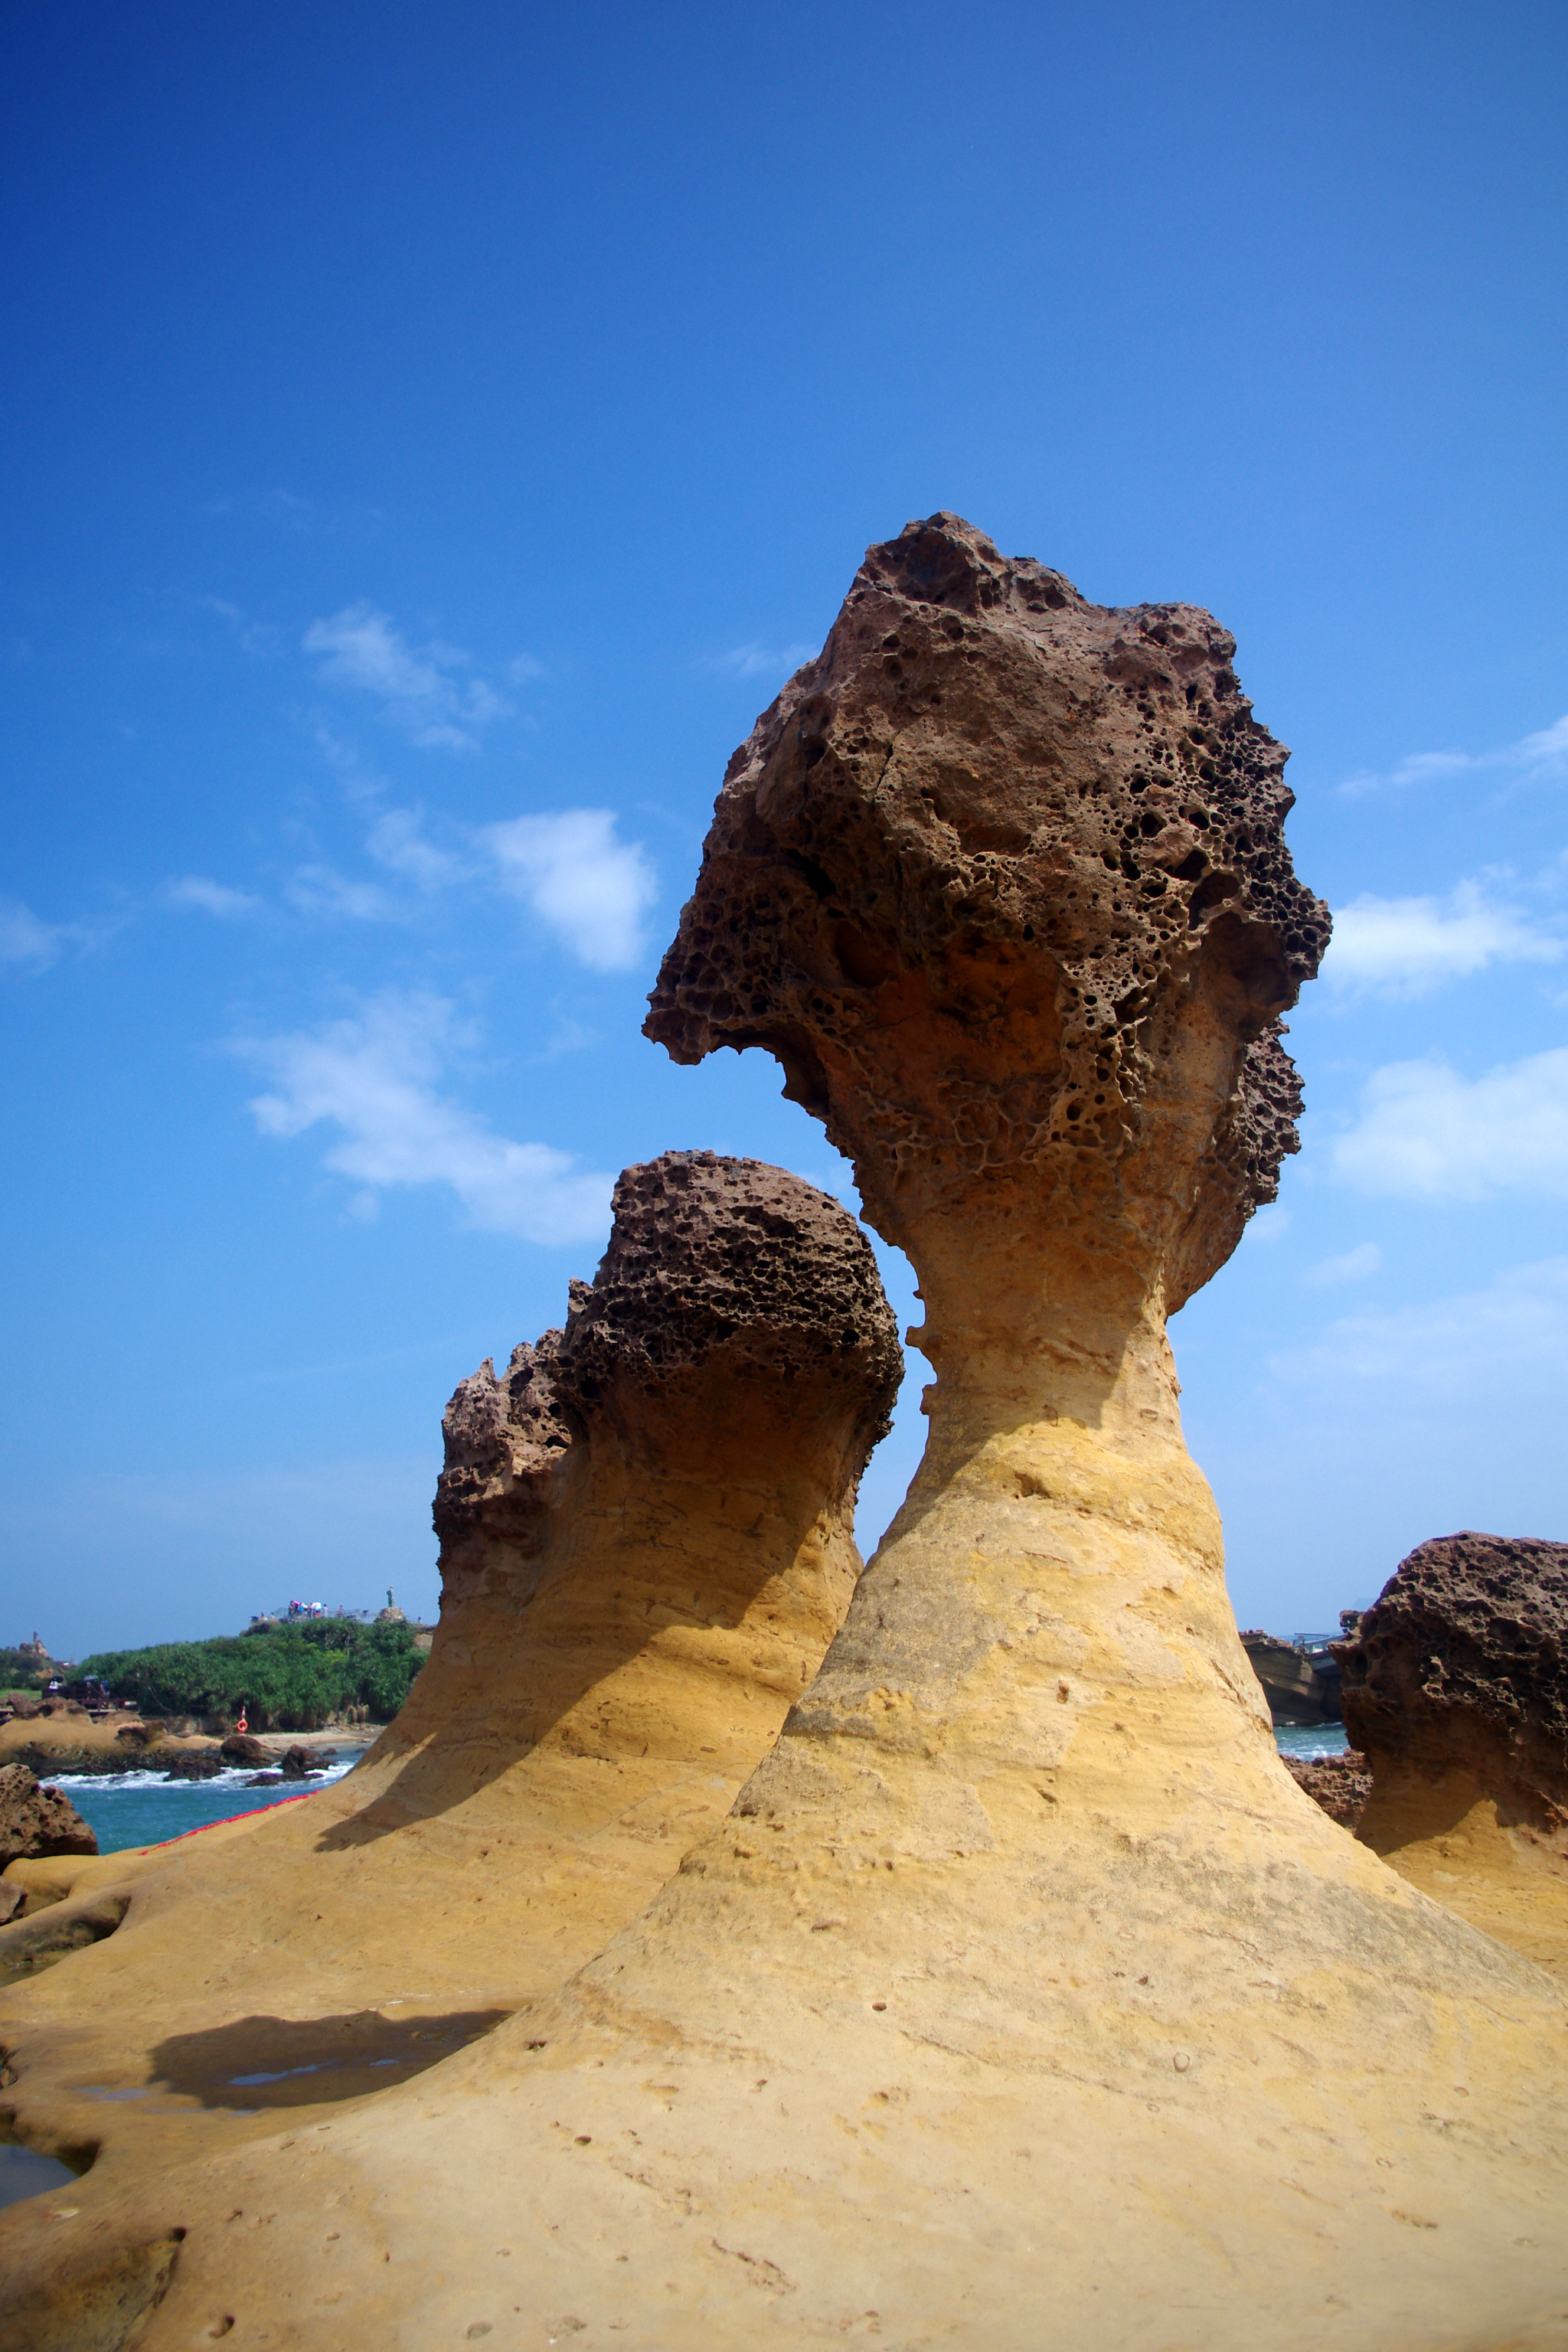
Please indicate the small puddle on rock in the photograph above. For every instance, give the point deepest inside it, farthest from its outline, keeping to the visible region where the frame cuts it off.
(24, 2172)
(320, 2066)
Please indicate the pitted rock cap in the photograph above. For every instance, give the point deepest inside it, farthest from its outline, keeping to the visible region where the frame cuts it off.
(991, 799)
(710, 1255)
(1462, 1663)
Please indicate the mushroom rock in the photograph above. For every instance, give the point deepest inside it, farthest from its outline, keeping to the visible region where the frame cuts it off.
(646, 1544)
(1022, 1994)
(1455, 1683)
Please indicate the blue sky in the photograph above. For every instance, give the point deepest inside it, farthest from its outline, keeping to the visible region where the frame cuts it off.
(433, 433)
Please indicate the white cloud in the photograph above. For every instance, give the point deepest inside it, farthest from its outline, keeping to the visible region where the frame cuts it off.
(27, 942)
(522, 669)
(1354, 1265)
(1427, 1133)
(376, 1078)
(1470, 1346)
(757, 660)
(1404, 947)
(1542, 756)
(427, 690)
(590, 888)
(211, 897)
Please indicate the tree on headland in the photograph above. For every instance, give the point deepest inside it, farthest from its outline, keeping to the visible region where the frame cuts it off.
(289, 1677)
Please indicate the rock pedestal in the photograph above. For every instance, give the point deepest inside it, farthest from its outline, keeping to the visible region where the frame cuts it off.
(1455, 1683)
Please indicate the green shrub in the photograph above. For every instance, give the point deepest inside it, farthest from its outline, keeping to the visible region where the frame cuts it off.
(288, 1677)
(19, 1671)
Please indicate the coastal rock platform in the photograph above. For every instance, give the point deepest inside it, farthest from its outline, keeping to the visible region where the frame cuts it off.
(1022, 1998)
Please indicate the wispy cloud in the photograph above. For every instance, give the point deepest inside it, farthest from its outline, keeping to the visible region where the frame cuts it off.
(396, 840)
(758, 660)
(1535, 758)
(591, 890)
(432, 691)
(26, 942)
(1448, 1348)
(1404, 947)
(211, 897)
(1352, 1265)
(1426, 1132)
(321, 890)
(376, 1079)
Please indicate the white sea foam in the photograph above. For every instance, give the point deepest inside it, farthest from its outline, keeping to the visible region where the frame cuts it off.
(236, 1777)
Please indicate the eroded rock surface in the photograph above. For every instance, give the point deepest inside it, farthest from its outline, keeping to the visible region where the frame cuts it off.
(1455, 1683)
(964, 879)
(1022, 1993)
(1339, 1784)
(646, 1544)
(38, 1821)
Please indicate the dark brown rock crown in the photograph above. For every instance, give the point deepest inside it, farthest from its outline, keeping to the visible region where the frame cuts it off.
(722, 1266)
(1038, 826)
(710, 1255)
(1462, 1665)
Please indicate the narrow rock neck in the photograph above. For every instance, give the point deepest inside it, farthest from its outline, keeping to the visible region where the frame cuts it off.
(1026, 1327)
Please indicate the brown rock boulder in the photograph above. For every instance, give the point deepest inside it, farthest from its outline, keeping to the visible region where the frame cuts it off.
(37, 1822)
(1339, 1784)
(1455, 1683)
(241, 1747)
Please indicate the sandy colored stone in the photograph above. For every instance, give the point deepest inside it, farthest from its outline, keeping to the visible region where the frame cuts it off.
(1456, 1683)
(646, 1545)
(1023, 1999)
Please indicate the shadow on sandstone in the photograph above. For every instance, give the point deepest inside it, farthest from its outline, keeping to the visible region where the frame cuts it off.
(282, 2061)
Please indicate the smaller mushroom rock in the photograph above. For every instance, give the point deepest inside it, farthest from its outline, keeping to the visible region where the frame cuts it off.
(1455, 1683)
(646, 1544)
(36, 1823)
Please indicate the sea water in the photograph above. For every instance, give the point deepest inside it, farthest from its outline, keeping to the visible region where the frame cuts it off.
(1305, 1741)
(144, 1809)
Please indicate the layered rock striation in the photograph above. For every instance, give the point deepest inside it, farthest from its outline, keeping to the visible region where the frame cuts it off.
(646, 1544)
(1022, 1993)
(1455, 1683)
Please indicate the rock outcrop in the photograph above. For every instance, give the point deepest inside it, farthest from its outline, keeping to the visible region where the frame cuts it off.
(1455, 1683)
(646, 1544)
(1339, 1784)
(243, 1747)
(35, 1822)
(1022, 1995)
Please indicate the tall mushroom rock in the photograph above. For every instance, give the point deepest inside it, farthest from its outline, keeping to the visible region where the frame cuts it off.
(646, 1544)
(1455, 1684)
